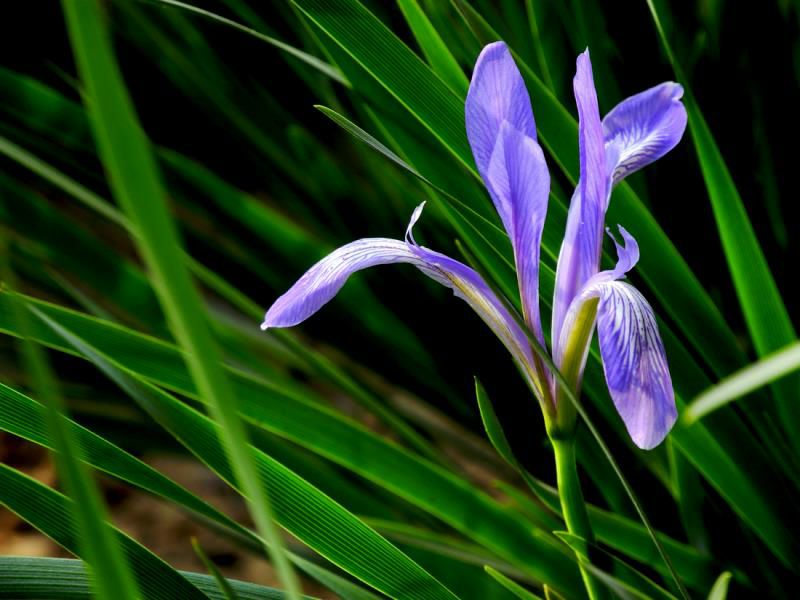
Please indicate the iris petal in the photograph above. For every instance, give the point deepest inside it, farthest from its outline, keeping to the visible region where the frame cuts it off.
(324, 280)
(643, 128)
(502, 134)
(497, 93)
(634, 360)
(580, 251)
(518, 179)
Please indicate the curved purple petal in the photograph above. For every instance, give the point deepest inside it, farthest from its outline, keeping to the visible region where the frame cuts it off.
(643, 128)
(323, 281)
(519, 181)
(579, 257)
(627, 255)
(634, 360)
(497, 93)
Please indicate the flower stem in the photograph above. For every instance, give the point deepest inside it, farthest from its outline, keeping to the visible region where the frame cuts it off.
(574, 508)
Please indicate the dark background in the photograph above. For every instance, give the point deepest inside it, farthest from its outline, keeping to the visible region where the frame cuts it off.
(743, 59)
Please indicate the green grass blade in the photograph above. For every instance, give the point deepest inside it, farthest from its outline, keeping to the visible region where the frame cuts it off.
(616, 531)
(511, 585)
(763, 372)
(307, 423)
(313, 61)
(51, 513)
(39, 578)
(433, 47)
(634, 584)
(136, 184)
(319, 363)
(111, 575)
(22, 416)
(224, 586)
(720, 589)
(764, 311)
(304, 511)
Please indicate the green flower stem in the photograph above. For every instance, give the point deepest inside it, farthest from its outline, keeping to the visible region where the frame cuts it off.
(574, 508)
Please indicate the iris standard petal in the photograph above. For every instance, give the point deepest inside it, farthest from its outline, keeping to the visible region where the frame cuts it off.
(643, 128)
(322, 282)
(518, 179)
(579, 257)
(497, 93)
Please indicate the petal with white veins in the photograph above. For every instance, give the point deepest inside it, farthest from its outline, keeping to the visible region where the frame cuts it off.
(643, 128)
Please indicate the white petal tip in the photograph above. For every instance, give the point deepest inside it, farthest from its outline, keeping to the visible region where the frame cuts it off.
(264, 326)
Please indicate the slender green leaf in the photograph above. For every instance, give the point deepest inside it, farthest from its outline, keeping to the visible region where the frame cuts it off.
(318, 521)
(305, 57)
(136, 184)
(720, 589)
(111, 575)
(51, 513)
(307, 423)
(511, 585)
(643, 588)
(23, 417)
(224, 586)
(433, 47)
(24, 578)
(760, 373)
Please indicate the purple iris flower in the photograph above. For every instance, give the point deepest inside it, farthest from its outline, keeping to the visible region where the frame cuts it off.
(502, 134)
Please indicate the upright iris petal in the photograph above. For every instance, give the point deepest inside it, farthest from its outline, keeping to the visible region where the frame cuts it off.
(518, 177)
(579, 257)
(497, 93)
(502, 134)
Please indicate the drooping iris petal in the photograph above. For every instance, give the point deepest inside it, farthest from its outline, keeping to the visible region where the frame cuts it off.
(579, 257)
(643, 128)
(634, 360)
(518, 179)
(324, 280)
(497, 93)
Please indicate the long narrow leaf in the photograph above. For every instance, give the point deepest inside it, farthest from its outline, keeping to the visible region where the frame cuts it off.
(51, 513)
(742, 382)
(136, 183)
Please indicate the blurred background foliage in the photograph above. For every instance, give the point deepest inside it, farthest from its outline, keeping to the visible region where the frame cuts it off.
(372, 402)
